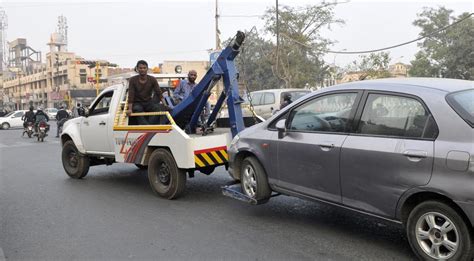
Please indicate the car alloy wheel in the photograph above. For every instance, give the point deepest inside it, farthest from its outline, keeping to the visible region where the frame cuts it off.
(437, 235)
(249, 181)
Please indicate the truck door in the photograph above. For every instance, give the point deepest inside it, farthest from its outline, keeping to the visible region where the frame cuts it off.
(95, 128)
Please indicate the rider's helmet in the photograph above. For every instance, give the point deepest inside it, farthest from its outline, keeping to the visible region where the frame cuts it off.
(287, 97)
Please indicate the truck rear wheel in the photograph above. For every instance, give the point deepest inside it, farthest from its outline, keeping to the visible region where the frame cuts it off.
(165, 178)
(75, 164)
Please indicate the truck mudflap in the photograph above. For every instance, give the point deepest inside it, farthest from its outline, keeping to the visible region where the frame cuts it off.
(234, 190)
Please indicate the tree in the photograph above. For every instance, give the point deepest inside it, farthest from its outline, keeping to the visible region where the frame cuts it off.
(297, 62)
(447, 53)
(372, 66)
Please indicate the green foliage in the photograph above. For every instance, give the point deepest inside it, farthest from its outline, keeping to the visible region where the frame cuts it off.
(372, 66)
(298, 60)
(448, 53)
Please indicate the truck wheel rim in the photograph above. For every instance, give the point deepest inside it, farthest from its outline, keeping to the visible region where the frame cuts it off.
(249, 181)
(164, 174)
(437, 235)
(72, 156)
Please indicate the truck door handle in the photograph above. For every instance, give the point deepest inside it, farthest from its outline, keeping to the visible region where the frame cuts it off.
(102, 123)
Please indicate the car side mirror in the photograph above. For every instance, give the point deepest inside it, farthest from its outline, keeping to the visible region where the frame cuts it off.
(281, 127)
(83, 111)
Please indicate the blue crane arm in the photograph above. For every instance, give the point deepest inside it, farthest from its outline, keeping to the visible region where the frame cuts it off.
(186, 113)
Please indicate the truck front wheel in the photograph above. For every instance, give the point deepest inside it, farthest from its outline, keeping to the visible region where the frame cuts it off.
(75, 164)
(165, 178)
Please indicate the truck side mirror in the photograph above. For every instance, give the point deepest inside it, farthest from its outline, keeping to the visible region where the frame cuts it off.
(281, 127)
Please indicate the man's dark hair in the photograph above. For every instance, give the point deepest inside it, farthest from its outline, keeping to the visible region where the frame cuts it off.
(143, 62)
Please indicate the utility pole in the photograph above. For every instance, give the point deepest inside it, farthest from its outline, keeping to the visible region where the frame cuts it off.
(218, 42)
(277, 27)
(97, 64)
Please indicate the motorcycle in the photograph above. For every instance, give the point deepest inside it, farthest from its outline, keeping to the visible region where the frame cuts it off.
(29, 129)
(42, 130)
(61, 124)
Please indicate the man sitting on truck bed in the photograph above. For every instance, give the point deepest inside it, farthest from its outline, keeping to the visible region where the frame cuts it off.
(140, 90)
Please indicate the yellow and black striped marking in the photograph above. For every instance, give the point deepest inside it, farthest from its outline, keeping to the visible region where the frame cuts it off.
(209, 157)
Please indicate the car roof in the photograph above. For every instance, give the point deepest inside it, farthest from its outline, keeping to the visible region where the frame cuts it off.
(281, 90)
(405, 84)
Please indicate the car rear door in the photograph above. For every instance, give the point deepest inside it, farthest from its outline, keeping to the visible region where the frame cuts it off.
(15, 120)
(390, 152)
(308, 155)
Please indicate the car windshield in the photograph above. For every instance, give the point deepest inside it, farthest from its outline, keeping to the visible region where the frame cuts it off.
(53, 110)
(462, 103)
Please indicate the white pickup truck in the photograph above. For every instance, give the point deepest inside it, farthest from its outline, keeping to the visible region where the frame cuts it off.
(103, 136)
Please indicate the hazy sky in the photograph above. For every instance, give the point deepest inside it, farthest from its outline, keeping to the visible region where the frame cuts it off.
(125, 31)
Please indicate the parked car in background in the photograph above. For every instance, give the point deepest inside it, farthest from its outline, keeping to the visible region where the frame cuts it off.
(399, 149)
(51, 113)
(12, 120)
(266, 102)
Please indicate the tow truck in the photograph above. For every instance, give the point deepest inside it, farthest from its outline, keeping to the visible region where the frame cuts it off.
(104, 134)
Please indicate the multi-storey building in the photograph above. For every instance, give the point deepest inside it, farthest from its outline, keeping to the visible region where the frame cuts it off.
(49, 84)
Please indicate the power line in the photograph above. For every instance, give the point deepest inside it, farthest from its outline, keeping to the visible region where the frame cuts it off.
(385, 48)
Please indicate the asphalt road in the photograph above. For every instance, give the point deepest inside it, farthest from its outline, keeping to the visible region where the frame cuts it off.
(112, 214)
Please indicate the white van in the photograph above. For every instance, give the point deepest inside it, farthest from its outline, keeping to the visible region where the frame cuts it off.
(266, 102)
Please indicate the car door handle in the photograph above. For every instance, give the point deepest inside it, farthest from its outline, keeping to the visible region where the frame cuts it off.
(415, 154)
(102, 123)
(326, 146)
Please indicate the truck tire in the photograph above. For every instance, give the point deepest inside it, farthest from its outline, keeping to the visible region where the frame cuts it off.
(254, 180)
(437, 232)
(75, 164)
(165, 178)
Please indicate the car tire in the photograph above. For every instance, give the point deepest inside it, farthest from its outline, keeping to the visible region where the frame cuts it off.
(5, 126)
(166, 179)
(254, 180)
(429, 240)
(75, 164)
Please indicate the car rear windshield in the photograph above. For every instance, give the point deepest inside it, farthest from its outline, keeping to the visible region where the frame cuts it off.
(463, 103)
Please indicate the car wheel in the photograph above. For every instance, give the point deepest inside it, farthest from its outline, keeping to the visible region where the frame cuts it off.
(254, 180)
(165, 178)
(5, 126)
(75, 164)
(437, 232)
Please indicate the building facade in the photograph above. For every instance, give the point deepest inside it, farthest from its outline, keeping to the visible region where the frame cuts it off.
(48, 84)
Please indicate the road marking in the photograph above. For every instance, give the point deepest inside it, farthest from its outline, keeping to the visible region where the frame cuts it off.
(2, 255)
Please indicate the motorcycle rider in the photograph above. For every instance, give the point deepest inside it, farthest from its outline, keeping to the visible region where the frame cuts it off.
(61, 117)
(39, 117)
(28, 117)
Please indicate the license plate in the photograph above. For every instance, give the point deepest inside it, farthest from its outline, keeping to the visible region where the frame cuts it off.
(42, 128)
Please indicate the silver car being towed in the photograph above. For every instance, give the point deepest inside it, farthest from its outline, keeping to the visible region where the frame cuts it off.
(400, 149)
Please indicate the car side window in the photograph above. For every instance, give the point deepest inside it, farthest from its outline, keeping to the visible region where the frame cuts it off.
(102, 105)
(329, 113)
(268, 98)
(391, 115)
(256, 97)
(18, 114)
